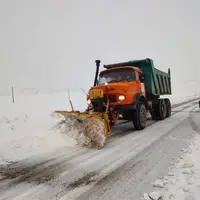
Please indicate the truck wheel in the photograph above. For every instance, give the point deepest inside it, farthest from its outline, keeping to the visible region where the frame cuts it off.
(140, 116)
(168, 107)
(162, 109)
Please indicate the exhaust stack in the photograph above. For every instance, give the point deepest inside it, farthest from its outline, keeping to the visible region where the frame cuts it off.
(97, 71)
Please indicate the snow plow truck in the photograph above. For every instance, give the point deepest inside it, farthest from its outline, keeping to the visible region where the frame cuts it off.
(130, 89)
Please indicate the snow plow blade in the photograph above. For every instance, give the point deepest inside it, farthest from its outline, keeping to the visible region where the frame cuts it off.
(91, 128)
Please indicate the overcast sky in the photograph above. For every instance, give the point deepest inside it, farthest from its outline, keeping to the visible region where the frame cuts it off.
(54, 43)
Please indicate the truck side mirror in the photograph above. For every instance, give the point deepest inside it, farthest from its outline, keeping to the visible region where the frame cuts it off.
(142, 77)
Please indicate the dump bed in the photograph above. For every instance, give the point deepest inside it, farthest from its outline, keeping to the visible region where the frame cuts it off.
(157, 82)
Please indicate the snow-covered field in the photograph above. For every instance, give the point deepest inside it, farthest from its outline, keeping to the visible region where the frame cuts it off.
(27, 127)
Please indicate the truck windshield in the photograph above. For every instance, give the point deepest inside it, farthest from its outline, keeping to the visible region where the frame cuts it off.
(116, 75)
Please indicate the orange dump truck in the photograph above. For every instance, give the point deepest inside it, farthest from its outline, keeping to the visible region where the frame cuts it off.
(131, 89)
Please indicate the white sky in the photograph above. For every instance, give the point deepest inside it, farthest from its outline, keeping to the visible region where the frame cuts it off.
(54, 43)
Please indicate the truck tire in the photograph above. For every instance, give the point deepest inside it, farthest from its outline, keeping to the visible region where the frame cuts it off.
(168, 105)
(140, 116)
(162, 109)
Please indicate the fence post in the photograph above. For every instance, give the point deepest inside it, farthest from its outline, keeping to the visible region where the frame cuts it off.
(13, 99)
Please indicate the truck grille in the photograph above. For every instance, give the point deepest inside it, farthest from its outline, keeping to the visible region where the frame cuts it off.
(111, 97)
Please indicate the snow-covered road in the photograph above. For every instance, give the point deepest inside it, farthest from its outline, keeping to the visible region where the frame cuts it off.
(124, 169)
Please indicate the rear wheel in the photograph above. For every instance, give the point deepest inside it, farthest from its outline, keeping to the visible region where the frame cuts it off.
(140, 116)
(162, 109)
(168, 107)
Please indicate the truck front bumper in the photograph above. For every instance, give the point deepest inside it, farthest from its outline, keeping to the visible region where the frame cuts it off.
(122, 108)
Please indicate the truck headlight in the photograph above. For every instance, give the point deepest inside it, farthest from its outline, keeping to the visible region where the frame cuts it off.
(121, 97)
(88, 101)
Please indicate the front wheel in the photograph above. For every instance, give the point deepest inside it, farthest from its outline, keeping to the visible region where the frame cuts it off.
(140, 116)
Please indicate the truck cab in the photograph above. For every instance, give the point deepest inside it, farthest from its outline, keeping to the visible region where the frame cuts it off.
(118, 85)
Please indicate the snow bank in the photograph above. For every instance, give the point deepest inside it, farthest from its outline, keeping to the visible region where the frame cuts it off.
(183, 182)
